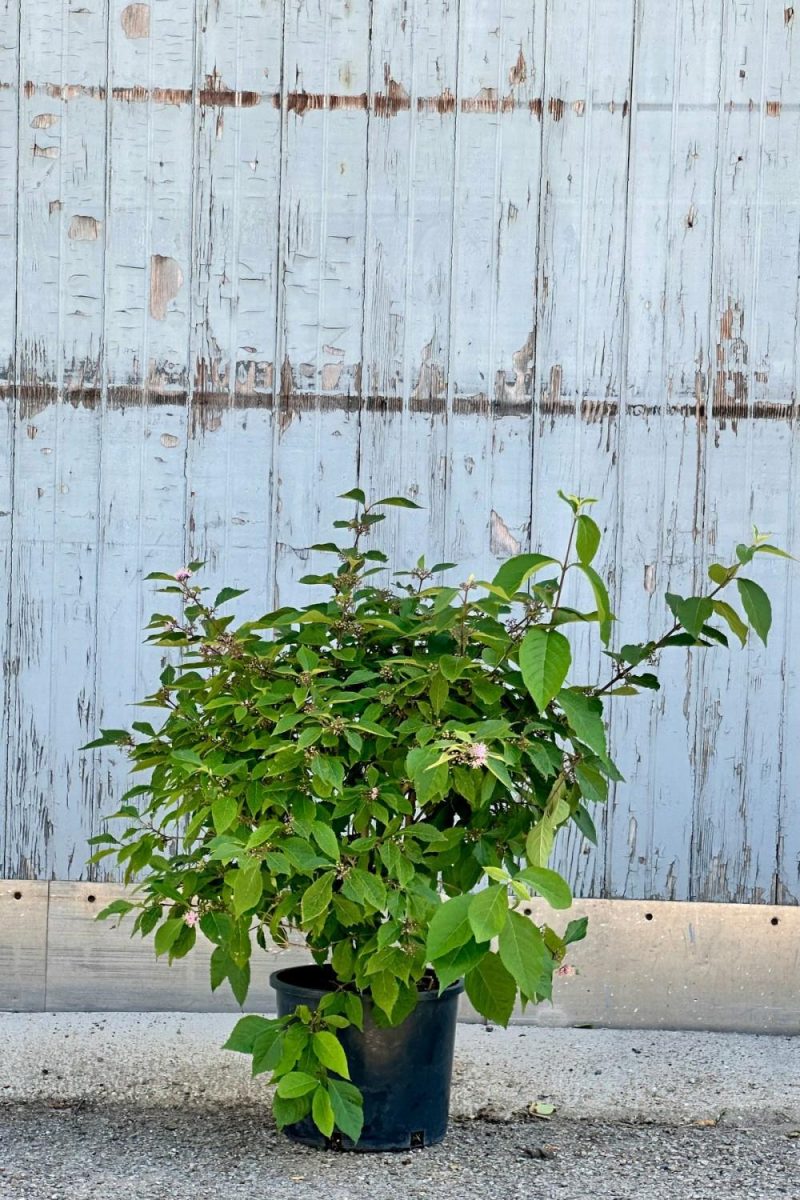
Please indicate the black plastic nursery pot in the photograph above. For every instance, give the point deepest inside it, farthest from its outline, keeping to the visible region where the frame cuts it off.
(403, 1072)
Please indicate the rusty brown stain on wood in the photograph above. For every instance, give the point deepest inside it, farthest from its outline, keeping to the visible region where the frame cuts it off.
(45, 120)
(166, 280)
(45, 151)
(536, 107)
(83, 228)
(519, 70)
(394, 100)
(445, 102)
(773, 108)
(555, 107)
(788, 15)
(487, 100)
(135, 21)
(302, 102)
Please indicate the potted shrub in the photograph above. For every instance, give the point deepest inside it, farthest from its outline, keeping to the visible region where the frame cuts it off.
(381, 774)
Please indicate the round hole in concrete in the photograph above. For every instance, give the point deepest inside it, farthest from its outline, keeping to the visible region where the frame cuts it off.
(17, 895)
(648, 916)
(91, 899)
(774, 920)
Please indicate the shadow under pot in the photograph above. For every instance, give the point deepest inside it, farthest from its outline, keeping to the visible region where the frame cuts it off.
(403, 1072)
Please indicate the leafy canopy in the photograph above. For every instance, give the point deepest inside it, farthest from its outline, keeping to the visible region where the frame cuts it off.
(347, 773)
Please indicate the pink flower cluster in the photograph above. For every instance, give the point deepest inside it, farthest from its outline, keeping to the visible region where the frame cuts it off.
(478, 753)
(191, 918)
(183, 575)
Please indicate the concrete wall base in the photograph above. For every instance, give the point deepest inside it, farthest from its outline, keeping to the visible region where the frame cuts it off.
(645, 964)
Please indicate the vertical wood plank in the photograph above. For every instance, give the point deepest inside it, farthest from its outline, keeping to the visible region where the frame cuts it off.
(234, 296)
(673, 212)
(59, 323)
(494, 275)
(9, 121)
(579, 367)
(325, 176)
(737, 748)
(142, 483)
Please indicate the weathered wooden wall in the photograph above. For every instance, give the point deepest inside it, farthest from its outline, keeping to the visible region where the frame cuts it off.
(474, 251)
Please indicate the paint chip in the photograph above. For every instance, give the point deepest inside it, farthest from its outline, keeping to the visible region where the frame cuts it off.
(44, 120)
(83, 229)
(501, 540)
(136, 21)
(166, 280)
(168, 440)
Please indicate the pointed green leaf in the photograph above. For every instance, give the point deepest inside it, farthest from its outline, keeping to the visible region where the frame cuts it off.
(732, 619)
(296, 1083)
(549, 884)
(544, 660)
(523, 953)
(224, 811)
(317, 899)
(246, 1031)
(576, 931)
(492, 989)
(322, 1111)
(488, 912)
(458, 962)
(755, 602)
(248, 886)
(585, 715)
(348, 1110)
(516, 571)
(449, 927)
(330, 1053)
(354, 494)
(587, 538)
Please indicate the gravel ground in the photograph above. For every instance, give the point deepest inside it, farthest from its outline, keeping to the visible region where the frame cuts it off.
(71, 1151)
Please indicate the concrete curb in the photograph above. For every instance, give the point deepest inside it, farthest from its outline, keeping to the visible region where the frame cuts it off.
(174, 1060)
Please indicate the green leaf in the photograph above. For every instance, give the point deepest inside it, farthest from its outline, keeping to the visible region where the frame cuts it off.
(246, 1031)
(354, 494)
(523, 953)
(549, 884)
(488, 912)
(449, 927)
(576, 931)
(289, 1111)
(330, 1053)
(397, 502)
(458, 962)
(601, 600)
(348, 1111)
(732, 619)
(326, 839)
(451, 667)
(755, 602)
(429, 780)
(364, 888)
(587, 538)
(268, 1050)
(224, 811)
(544, 660)
(585, 715)
(540, 839)
(167, 933)
(296, 1083)
(228, 593)
(188, 758)
(585, 824)
(492, 989)
(115, 908)
(692, 613)
(439, 691)
(721, 575)
(385, 989)
(248, 886)
(592, 782)
(317, 899)
(322, 1111)
(516, 571)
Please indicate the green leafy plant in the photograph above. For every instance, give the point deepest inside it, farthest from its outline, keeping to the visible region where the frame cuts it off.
(382, 774)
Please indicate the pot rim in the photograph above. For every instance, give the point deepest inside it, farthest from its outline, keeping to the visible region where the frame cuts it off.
(281, 980)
